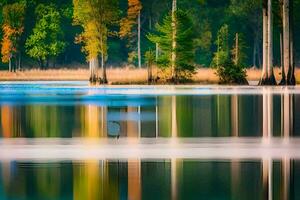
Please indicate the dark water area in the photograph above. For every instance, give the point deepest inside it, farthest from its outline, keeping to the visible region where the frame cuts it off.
(160, 179)
(70, 110)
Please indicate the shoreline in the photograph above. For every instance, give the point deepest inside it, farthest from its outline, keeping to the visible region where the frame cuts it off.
(122, 76)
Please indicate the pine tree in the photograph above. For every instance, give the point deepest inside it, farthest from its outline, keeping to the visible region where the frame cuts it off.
(184, 49)
(229, 69)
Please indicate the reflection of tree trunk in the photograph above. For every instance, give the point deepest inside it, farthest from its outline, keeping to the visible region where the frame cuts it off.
(267, 167)
(267, 114)
(235, 115)
(287, 116)
(104, 121)
(235, 178)
(92, 125)
(134, 180)
(132, 125)
(7, 121)
(174, 175)
(87, 181)
(174, 117)
(286, 165)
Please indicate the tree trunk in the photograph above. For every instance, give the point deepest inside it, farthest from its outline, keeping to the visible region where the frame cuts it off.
(271, 78)
(93, 62)
(9, 65)
(236, 56)
(265, 44)
(291, 80)
(19, 61)
(174, 44)
(254, 56)
(282, 82)
(286, 39)
(139, 40)
(103, 67)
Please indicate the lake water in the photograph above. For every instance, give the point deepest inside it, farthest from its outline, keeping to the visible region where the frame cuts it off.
(65, 140)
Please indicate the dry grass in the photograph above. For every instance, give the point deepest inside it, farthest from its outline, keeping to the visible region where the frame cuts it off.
(118, 75)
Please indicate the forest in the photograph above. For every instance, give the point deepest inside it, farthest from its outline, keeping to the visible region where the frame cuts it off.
(140, 33)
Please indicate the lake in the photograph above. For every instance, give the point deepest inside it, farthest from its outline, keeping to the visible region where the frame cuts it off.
(65, 140)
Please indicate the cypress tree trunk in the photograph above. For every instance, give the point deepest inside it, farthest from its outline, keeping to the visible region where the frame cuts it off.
(265, 44)
(286, 40)
(174, 44)
(139, 40)
(93, 62)
(282, 82)
(103, 67)
(271, 78)
(291, 80)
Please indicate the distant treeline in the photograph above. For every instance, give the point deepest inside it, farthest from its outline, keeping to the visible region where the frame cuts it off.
(51, 33)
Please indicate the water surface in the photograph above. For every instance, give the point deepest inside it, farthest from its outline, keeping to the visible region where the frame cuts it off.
(65, 140)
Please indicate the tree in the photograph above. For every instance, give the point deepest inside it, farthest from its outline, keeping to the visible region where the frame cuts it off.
(267, 73)
(180, 67)
(46, 40)
(13, 27)
(128, 23)
(95, 17)
(230, 70)
(288, 75)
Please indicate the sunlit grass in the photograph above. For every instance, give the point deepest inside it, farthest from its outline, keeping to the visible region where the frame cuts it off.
(124, 75)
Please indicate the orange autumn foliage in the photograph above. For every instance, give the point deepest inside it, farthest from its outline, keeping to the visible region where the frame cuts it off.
(126, 24)
(13, 27)
(8, 47)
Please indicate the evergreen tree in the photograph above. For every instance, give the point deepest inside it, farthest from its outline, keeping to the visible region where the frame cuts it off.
(185, 50)
(228, 71)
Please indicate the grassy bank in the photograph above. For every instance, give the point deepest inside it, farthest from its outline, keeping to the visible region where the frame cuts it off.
(118, 75)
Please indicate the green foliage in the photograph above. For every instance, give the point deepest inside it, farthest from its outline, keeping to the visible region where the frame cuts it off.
(227, 71)
(47, 38)
(185, 49)
(222, 55)
(150, 57)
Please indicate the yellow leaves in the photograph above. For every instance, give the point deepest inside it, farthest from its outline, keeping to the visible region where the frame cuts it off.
(126, 24)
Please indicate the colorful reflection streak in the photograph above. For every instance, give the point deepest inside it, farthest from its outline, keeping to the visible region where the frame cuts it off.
(157, 116)
(159, 179)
